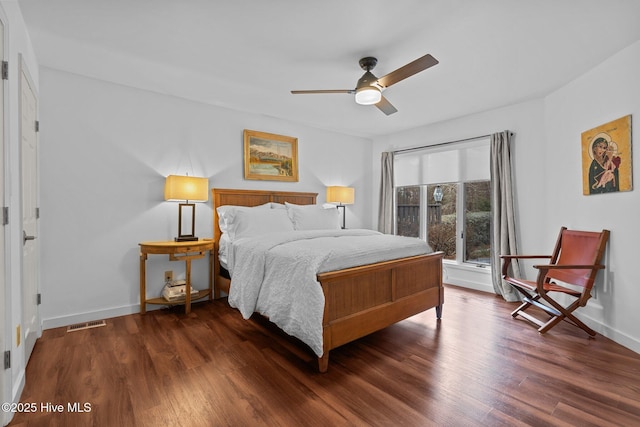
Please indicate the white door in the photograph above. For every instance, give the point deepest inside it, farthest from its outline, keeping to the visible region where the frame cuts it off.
(4, 345)
(30, 249)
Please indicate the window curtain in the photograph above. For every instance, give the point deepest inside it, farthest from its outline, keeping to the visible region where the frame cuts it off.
(385, 210)
(503, 236)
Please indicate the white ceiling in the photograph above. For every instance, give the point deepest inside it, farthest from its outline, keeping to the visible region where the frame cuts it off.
(247, 55)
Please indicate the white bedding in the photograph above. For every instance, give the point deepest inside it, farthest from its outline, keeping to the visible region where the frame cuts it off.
(275, 274)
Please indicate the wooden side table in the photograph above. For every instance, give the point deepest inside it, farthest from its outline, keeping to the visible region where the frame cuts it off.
(177, 251)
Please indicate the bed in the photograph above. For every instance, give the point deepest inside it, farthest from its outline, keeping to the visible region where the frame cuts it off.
(357, 300)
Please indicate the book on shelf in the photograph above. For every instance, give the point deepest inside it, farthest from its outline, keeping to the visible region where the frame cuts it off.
(175, 290)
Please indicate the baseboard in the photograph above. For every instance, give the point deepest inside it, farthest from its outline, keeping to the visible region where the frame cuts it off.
(56, 322)
(468, 277)
(623, 339)
(615, 335)
(592, 316)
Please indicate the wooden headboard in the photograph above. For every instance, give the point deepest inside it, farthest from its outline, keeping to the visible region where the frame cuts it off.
(223, 196)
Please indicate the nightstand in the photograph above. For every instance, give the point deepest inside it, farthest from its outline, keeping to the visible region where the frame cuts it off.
(177, 251)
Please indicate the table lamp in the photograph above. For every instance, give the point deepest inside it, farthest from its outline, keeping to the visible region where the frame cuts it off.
(341, 195)
(188, 189)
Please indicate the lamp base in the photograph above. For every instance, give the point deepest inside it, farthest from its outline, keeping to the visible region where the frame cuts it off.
(344, 211)
(186, 239)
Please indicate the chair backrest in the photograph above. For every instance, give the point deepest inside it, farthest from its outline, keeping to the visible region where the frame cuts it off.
(578, 248)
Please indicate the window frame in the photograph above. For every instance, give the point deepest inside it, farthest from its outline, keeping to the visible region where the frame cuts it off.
(461, 216)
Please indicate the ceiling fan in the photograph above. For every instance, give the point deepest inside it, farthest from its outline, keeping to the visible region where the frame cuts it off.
(369, 88)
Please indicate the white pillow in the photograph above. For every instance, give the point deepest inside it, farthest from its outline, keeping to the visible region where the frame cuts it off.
(256, 222)
(226, 214)
(313, 217)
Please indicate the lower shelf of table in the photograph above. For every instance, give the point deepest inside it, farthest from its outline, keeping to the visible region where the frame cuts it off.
(162, 301)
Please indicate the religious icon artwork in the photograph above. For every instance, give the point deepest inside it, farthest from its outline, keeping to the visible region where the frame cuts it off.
(606, 158)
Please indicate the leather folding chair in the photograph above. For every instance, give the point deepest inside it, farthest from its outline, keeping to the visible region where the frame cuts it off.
(571, 270)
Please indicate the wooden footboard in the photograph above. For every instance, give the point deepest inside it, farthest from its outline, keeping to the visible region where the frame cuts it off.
(362, 300)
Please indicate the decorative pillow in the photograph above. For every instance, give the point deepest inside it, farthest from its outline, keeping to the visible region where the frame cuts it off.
(226, 214)
(256, 222)
(313, 217)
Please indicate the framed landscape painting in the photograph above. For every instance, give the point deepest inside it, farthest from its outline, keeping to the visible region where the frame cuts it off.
(268, 156)
(606, 158)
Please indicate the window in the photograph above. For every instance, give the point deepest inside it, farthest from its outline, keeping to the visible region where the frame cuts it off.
(477, 222)
(408, 211)
(458, 222)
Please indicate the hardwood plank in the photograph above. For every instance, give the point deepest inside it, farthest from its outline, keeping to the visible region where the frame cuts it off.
(476, 366)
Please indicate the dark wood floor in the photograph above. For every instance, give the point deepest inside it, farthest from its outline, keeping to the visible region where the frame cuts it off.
(477, 366)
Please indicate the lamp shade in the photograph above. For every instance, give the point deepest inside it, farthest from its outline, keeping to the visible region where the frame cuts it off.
(342, 195)
(191, 188)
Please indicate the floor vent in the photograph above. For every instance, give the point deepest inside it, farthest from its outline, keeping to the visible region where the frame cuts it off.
(86, 325)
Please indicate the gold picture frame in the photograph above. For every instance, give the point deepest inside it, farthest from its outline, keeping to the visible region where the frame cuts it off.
(270, 157)
(606, 158)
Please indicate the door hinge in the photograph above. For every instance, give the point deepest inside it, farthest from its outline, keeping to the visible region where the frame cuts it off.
(37, 213)
(5, 215)
(39, 299)
(7, 359)
(37, 125)
(5, 70)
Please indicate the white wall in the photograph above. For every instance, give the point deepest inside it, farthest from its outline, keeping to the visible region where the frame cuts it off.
(19, 46)
(607, 92)
(105, 151)
(547, 172)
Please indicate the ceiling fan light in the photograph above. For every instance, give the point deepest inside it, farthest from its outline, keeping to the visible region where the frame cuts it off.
(368, 95)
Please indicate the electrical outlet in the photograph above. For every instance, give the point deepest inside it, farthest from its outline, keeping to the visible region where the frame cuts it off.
(18, 336)
(168, 275)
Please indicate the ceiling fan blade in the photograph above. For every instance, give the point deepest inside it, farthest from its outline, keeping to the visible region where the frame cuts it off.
(298, 92)
(408, 70)
(385, 106)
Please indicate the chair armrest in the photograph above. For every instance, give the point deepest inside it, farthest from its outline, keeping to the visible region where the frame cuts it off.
(524, 256)
(507, 260)
(569, 267)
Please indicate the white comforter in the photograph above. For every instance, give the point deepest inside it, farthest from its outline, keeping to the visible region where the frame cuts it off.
(275, 274)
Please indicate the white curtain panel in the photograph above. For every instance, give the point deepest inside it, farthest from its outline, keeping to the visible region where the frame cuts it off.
(385, 211)
(503, 236)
